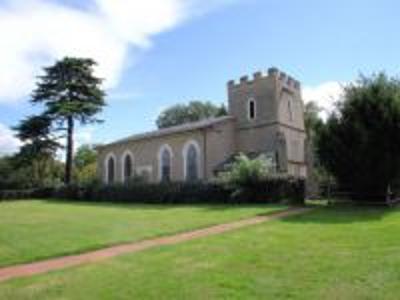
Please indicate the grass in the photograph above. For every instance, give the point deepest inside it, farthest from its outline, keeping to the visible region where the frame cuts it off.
(326, 254)
(32, 230)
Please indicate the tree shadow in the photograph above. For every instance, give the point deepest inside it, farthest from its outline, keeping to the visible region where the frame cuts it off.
(335, 214)
(130, 206)
(232, 206)
(342, 214)
(167, 206)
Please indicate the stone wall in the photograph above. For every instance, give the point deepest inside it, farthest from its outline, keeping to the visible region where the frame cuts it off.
(215, 142)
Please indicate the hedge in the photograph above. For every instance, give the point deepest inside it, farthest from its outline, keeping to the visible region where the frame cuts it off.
(24, 194)
(269, 191)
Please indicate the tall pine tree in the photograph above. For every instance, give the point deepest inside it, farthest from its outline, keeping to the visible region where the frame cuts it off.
(71, 93)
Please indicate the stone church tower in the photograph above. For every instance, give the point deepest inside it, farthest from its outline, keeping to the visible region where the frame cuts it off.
(265, 117)
(269, 116)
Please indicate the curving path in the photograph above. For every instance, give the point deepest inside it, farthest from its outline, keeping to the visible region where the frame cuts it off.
(44, 266)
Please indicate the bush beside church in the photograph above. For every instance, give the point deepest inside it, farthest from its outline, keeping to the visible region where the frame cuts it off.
(246, 181)
(272, 190)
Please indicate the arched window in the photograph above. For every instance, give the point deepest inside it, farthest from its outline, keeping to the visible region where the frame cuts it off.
(110, 169)
(166, 166)
(192, 167)
(191, 158)
(165, 162)
(127, 166)
(251, 109)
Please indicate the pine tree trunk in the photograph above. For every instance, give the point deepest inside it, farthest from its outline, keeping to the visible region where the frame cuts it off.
(70, 148)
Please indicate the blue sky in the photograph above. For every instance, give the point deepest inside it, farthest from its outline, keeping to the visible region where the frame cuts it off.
(156, 53)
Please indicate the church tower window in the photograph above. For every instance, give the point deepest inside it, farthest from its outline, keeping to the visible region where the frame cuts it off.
(251, 109)
(290, 109)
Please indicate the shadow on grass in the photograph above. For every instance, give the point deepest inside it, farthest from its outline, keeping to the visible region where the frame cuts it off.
(342, 214)
(149, 206)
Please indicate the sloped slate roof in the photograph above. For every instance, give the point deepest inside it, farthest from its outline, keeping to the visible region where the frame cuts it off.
(172, 130)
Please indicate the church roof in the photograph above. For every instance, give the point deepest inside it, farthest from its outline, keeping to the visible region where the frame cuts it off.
(172, 130)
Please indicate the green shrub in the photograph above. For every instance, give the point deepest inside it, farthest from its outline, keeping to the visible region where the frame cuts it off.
(15, 194)
(246, 172)
(157, 193)
(87, 174)
(254, 180)
(270, 190)
(249, 181)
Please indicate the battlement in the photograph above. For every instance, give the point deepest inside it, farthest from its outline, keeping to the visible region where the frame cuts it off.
(273, 73)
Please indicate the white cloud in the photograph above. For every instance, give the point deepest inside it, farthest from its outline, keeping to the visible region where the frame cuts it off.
(36, 32)
(325, 95)
(8, 142)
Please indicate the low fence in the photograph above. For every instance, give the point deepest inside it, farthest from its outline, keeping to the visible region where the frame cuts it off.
(334, 195)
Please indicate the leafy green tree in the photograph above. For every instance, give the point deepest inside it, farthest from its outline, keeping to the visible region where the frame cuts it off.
(36, 156)
(34, 173)
(194, 111)
(360, 143)
(86, 164)
(71, 93)
(87, 174)
(34, 128)
(36, 133)
(6, 168)
(84, 156)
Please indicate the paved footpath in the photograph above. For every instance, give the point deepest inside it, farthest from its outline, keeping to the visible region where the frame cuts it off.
(44, 266)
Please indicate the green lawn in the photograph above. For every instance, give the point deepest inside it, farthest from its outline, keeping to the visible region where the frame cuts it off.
(327, 254)
(32, 230)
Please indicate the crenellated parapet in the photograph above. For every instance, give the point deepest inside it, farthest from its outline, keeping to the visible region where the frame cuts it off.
(272, 74)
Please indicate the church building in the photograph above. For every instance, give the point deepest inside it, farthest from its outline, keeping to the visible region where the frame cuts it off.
(265, 117)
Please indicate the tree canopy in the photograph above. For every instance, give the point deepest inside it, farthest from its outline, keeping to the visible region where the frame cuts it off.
(185, 113)
(36, 158)
(360, 142)
(70, 93)
(86, 164)
(35, 132)
(84, 156)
